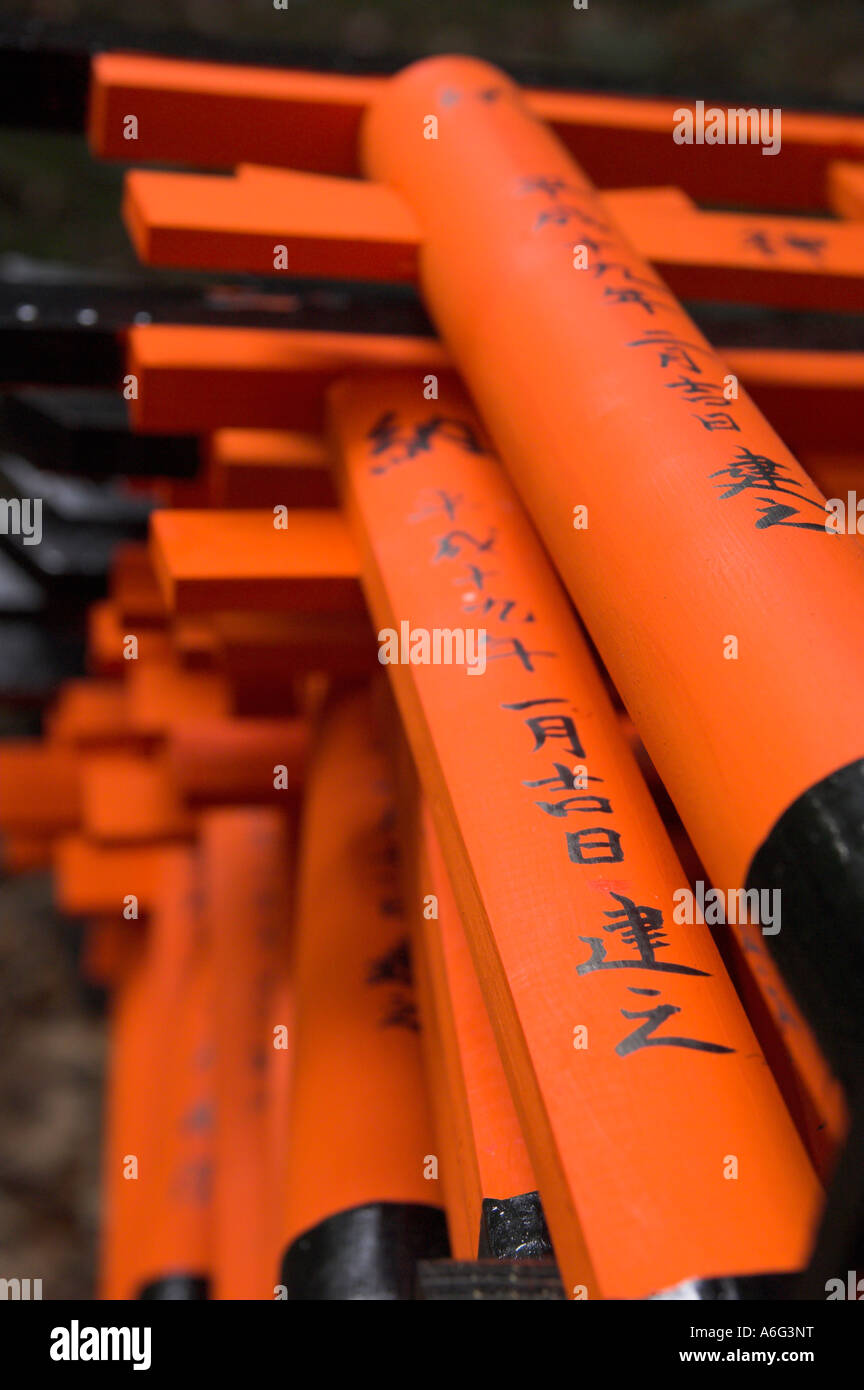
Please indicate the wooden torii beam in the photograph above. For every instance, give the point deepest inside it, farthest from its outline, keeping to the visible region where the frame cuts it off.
(214, 379)
(607, 359)
(547, 867)
(265, 220)
(493, 1206)
(212, 935)
(610, 360)
(381, 453)
(493, 325)
(215, 115)
(194, 560)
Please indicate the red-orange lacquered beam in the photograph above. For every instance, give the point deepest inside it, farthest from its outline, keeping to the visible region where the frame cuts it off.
(242, 377)
(222, 560)
(216, 116)
(554, 845)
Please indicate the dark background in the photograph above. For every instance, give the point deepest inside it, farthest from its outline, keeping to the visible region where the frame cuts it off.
(58, 204)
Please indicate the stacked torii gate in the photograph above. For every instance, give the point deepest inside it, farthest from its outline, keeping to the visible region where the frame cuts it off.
(676, 518)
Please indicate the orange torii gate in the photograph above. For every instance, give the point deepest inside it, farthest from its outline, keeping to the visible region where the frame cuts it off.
(378, 453)
(607, 358)
(549, 211)
(567, 340)
(202, 559)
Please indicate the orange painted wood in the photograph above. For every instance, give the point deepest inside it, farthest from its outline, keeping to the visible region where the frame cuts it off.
(237, 223)
(546, 885)
(217, 761)
(133, 587)
(271, 648)
(846, 188)
(619, 138)
(836, 474)
(198, 379)
(792, 386)
(318, 225)
(492, 1156)
(182, 1240)
(631, 204)
(724, 516)
(819, 1111)
(24, 854)
(127, 799)
(127, 1201)
(217, 116)
(791, 262)
(298, 121)
(195, 642)
(557, 360)
(246, 906)
(813, 399)
(155, 1223)
(41, 788)
(159, 693)
(89, 714)
(262, 468)
(177, 1240)
(105, 949)
(216, 560)
(92, 880)
(352, 229)
(360, 1128)
(453, 1147)
(106, 640)
(279, 1081)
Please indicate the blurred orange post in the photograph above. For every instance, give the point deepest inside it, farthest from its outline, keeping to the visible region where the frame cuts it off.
(246, 905)
(361, 1187)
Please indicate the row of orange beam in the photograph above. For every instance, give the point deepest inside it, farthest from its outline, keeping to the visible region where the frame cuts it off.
(165, 797)
(186, 745)
(219, 116)
(575, 1040)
